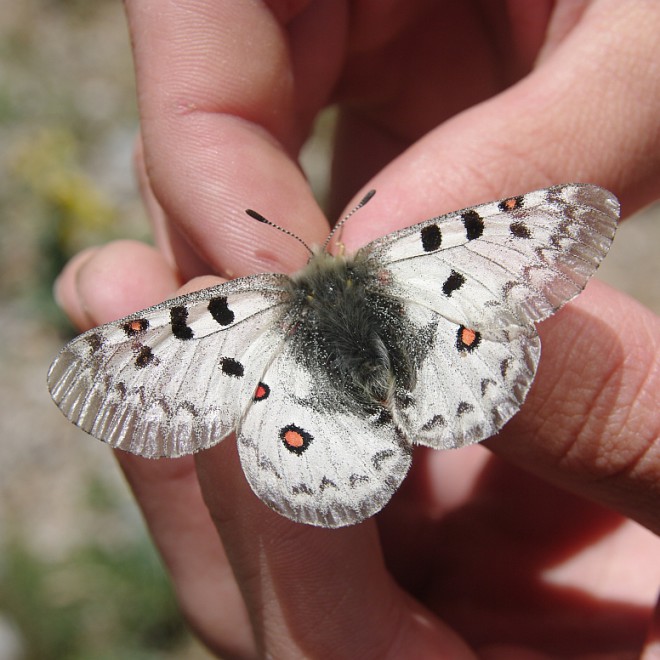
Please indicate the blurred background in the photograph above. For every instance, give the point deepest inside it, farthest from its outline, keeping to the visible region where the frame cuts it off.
(78, 576)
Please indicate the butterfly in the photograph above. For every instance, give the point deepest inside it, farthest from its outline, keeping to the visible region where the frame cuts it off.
(330, 376)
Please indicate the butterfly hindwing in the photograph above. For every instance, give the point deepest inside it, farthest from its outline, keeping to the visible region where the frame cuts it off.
(311, 457)
(170, 380)
(468, 385)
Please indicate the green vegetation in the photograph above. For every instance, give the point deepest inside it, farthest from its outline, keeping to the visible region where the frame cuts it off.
(99, 602)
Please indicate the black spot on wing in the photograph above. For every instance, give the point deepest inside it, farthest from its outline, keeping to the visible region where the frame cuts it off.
(356, 479)
(454, 282)
(95, 341)
(144, 357)
(434, 423)
(302, 489)
(178, 321)
(519, 229)
(231, 367)
(327, 483)
(190, 407)
(431, 238)
(379, 457)
(220, 311)
(141, 394)
(267, 465)
(464, 407)
(473, 223)
(485, 384)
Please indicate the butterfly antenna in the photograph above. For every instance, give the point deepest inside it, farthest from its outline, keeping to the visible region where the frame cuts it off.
(260, 218)
(338, 227)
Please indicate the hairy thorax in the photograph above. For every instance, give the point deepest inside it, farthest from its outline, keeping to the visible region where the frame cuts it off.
(351, 329)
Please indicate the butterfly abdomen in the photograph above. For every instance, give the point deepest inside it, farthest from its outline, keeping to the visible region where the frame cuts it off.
(351, 330)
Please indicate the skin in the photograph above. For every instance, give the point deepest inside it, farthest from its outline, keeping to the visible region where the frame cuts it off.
(444, 105)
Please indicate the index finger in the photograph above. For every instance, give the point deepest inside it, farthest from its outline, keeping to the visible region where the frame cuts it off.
(219, 131)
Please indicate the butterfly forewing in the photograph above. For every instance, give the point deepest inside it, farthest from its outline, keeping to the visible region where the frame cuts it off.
(514, 261)
(169, 380)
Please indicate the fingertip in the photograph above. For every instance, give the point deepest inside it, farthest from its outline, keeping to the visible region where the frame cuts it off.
(65, 289)
(121, 278)
(301, 569)
(201, 282)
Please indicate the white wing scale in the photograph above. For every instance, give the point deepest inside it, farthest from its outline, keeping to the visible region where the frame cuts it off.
(465, 392)
(494, 270)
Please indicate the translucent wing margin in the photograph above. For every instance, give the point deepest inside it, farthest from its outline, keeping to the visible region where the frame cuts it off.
(174, 378)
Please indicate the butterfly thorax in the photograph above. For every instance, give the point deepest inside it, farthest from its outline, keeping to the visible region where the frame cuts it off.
(351, 330)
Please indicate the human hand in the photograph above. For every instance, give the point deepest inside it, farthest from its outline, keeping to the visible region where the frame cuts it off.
(456, 562)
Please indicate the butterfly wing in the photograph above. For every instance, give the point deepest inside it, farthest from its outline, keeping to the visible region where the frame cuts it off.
(479, 279)
(172, 379)
(506, 263)
(180, 376)
(311, 457)
(468, 385)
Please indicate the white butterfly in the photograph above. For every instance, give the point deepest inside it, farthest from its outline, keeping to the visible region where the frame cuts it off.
(425, 336)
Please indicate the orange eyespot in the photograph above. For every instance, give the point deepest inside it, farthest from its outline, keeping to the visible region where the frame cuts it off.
(510, 203)
(294, 438)
(135, 327)
(468, 336)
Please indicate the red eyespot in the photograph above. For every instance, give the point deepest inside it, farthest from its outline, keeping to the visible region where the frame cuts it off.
(262, 392)
(135, 327)
(467, 339)
(295, 439)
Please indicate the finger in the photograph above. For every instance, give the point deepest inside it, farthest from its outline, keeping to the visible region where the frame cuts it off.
(219, 132)
(291, 616)
(590, 422)
(651, 649)
(155, 213)
(103, 284)
(65, 290)
(307, 588)
(169, 496)
(588, 112)
(108, 283)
